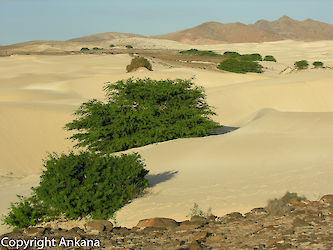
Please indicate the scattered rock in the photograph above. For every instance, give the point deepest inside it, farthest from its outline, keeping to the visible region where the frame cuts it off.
(198, 218)
(34, 231)
(185, 225)
(328, 199)
(299, 222)
(195, 245)
(201, 236)
(158, 222)
(260, 211)
(99, 226)
(307, 225)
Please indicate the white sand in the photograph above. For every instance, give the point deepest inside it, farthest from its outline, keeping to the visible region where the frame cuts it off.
(284, 142)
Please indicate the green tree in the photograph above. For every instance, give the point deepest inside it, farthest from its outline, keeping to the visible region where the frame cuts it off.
(195, 52)
(231, 54)
(84, 184)
(27, 212)
(237, 66)
(140, 112)
(269, 58)
(251, 57)
(303, 64)
(318, 64)
(138, 62)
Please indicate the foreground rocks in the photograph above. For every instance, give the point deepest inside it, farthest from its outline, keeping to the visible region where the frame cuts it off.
(304, 225)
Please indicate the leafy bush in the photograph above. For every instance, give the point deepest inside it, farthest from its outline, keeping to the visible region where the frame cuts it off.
(196, 211)
(138, 62)
(140, 112)
(270, 59)
(318, 64)
(250, 57)
(112, 45)
(236, 66)
(303, 64)
(279, 206)
(244, 57)
(83, 184)
(96, 48)
(26, 212)
(129, 46)
(231, 54)
(196, 52)
(84, 49)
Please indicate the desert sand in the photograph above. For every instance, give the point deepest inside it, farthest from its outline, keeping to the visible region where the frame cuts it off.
(284, 139)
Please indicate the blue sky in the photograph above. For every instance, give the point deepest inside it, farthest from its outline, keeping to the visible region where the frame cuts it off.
(25, 20)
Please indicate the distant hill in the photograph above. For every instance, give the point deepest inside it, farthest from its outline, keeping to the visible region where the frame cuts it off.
(262, 31)
(103, 36)
(214, 32)
(288, 28)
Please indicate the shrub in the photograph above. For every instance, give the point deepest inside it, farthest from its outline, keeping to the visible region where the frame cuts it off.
(318, 64)
(140, 112)
(84, 184)
(231, 54)
(84, 49)
(236, 66)
(129, 46)
(196, 211)
(26, 212)
(251, 57)
(138, 62)
(96, 48)
(270, 59)
(303, 64)
(196, 52)
(279, 206)
(112, 45)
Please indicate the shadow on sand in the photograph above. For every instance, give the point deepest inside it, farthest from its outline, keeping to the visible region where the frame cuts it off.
(155, 179)
(223, 130)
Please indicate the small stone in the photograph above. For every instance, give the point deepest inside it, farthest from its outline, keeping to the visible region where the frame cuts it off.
(195, 245)
(190, 225)
(327, 199)
(34, 231)
(299, 223)
(212, 217)
(158, 222)
(198, 218)
(121, 231)
(200, 236)
(99, 226)
(215, 239)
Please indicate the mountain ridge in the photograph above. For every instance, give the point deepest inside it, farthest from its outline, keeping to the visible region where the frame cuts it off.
(284, 28)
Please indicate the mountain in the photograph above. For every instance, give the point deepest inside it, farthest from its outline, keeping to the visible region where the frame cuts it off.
(262, 31)
(288, 28)
(104, 36)
(214, 32)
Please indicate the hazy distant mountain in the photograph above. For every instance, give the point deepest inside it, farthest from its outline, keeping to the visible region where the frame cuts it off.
(262, 31)
(214, 32)
(287, 28)
(103, 36)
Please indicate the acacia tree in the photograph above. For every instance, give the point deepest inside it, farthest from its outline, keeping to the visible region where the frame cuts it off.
(140, 112)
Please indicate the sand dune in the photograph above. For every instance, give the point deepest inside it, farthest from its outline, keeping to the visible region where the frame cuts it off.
(274, 153)
(283, 143)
